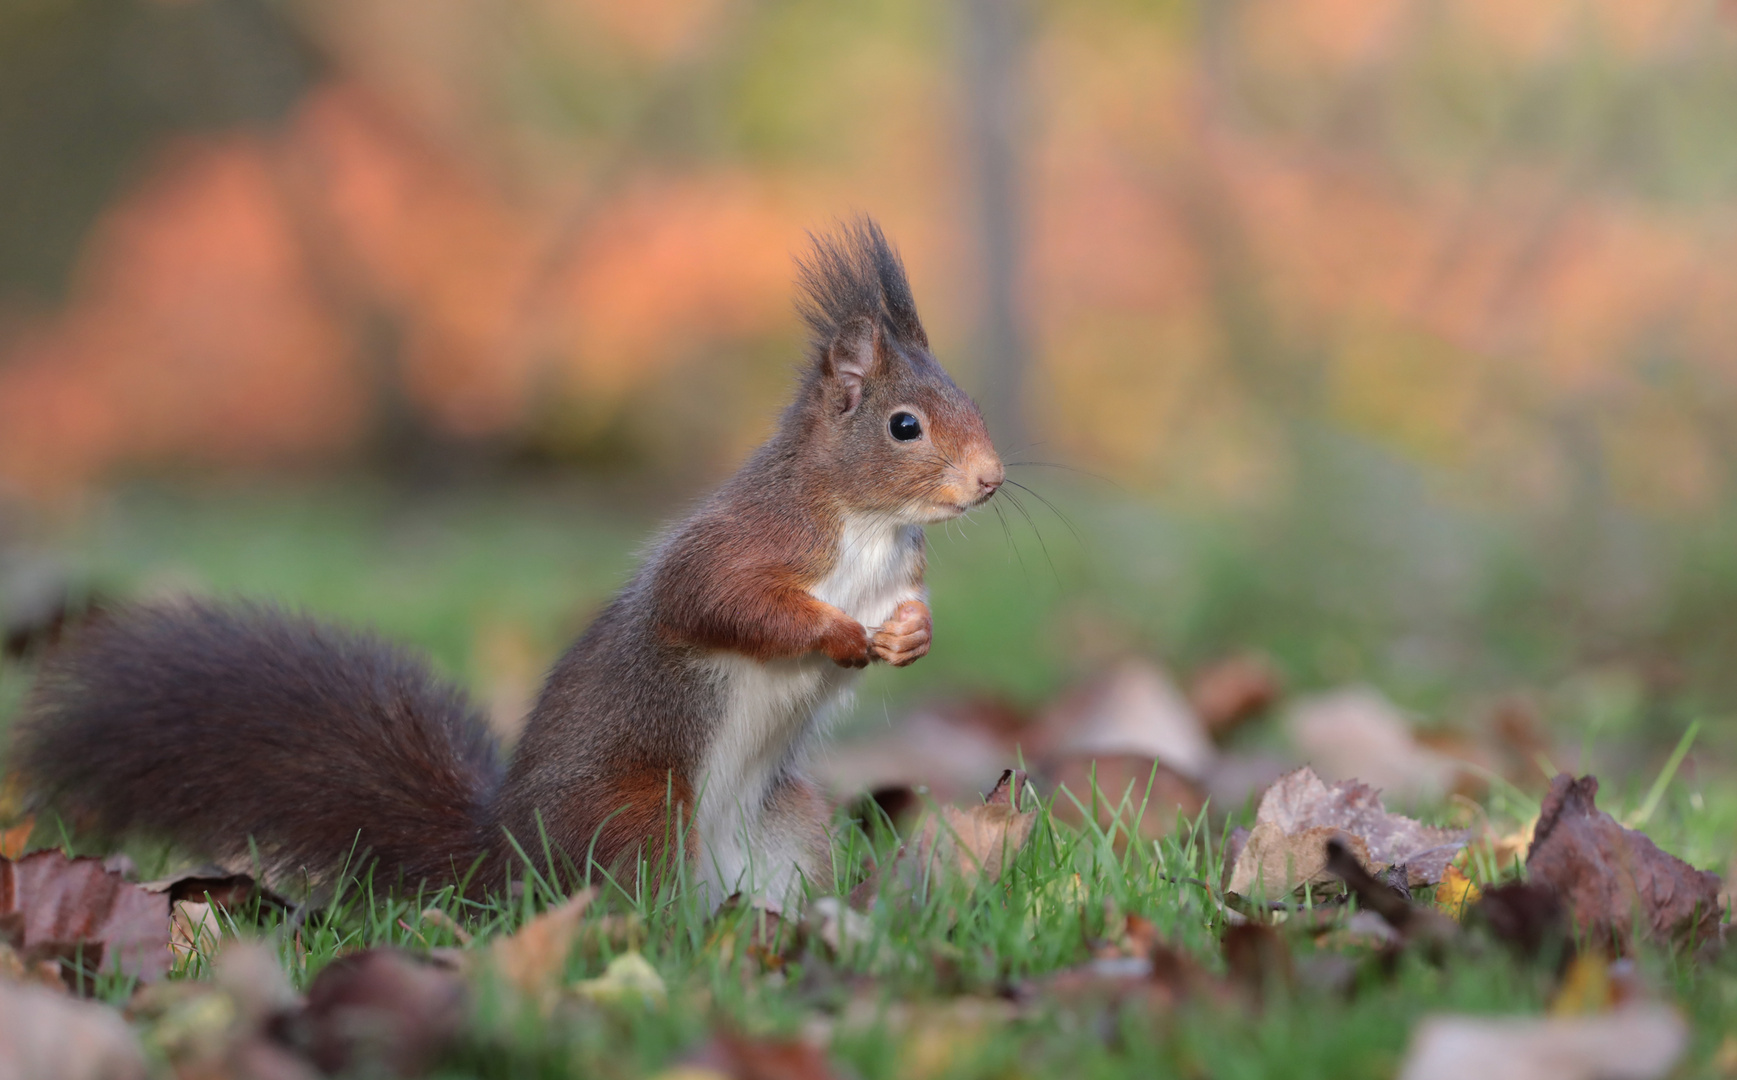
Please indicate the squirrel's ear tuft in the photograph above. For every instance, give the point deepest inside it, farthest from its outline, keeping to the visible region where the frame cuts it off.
(854, 355)
(854, 275)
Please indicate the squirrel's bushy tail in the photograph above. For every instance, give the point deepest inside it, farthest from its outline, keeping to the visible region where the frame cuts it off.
(240, 730)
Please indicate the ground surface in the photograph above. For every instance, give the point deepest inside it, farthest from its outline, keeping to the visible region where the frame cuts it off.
(948, 984)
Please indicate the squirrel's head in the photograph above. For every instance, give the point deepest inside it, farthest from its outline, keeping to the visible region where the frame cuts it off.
(893, 433)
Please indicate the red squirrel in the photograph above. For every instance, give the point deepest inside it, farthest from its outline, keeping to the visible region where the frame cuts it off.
(248, 733)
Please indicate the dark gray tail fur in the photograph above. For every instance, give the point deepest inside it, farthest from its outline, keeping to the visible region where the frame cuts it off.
(240, 729)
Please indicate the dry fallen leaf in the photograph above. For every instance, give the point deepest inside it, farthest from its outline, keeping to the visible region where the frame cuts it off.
(45, 1035)
(37, 967)
(1640, 1042)
(1299, 814)
(381, 1011)
(533, 959)
(1456, 892)
(79, 906)
(1258, 961)
(975, 844)
(1609, 877)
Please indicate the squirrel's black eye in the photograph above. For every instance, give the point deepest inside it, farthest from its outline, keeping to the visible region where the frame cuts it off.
(904, 427)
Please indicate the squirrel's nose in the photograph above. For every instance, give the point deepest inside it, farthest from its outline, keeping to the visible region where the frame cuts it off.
(989, 479)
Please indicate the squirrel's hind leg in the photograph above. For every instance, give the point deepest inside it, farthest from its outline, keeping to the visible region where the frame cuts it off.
(790, 850)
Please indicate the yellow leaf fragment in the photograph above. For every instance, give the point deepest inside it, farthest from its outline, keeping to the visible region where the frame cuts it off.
(1586, 987)
(628, 980)
(1456, 892)
(1725, 1058)
(13, 839)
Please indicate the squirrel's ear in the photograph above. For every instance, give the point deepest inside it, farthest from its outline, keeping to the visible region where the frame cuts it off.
(855, 354)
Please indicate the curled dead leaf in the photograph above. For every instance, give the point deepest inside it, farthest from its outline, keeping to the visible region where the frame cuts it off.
(84, 909)
(1299, 814)
(974, 846)
(1610, 878)
(979, 842)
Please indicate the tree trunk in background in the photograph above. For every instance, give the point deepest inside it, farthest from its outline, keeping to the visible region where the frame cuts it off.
(993, 40)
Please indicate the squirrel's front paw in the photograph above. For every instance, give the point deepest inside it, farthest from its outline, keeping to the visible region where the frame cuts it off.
(904, 638)
(846, 643)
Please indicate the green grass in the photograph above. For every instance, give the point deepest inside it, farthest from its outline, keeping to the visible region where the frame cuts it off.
(891, 1001)
(1018, 619)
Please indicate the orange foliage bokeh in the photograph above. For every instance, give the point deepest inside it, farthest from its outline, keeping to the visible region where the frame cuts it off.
(251, 296)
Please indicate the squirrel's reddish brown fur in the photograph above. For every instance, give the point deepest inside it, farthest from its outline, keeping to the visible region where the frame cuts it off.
(681, 716)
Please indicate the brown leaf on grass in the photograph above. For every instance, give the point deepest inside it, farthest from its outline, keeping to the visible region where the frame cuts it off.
(380, 1011)
(533, 959)
(78, 906)
(729, 1056)
(1640, 1042)
(45, 1035)
(975, 844)
(1610, 877)
(1228, 693)
(1413, 923)
(1299, 814)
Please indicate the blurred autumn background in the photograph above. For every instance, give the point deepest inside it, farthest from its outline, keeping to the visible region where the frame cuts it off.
(1393, 340)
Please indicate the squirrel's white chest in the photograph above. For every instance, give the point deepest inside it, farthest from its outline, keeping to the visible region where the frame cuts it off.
(771, 711)
(876, 569)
